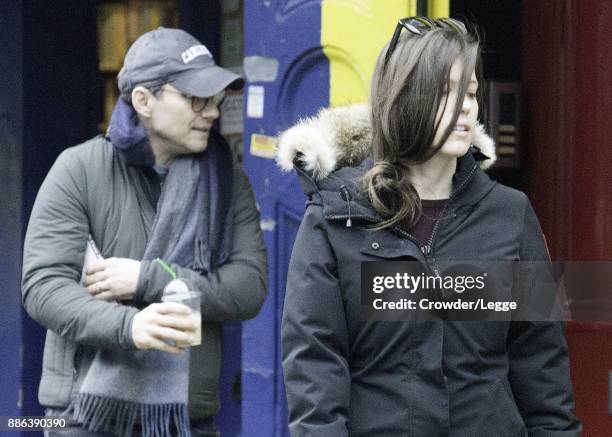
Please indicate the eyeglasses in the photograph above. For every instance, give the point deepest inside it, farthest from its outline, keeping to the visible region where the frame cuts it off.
(198, 104)
(420, 25)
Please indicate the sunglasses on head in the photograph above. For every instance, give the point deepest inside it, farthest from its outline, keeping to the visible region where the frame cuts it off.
(420, 25)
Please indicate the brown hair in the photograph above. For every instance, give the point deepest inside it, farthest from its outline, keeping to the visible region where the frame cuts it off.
(405, 96)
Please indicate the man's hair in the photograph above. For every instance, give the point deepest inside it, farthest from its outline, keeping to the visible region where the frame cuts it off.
(155, 89)
(405, 96)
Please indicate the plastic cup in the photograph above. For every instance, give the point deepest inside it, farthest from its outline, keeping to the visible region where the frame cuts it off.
(192, 300)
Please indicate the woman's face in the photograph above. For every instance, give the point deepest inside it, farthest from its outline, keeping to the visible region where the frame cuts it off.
(461, 137)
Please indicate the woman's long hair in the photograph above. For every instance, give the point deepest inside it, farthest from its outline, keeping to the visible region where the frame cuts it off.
(405, 97)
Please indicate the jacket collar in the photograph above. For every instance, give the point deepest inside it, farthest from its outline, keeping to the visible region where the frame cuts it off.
(340, 137)
(330, 153)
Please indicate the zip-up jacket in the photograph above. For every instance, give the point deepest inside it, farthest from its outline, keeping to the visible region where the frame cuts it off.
(92, 190)
(346, 375)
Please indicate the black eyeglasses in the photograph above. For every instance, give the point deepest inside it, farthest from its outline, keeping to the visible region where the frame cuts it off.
(420, 25)
(198, 104)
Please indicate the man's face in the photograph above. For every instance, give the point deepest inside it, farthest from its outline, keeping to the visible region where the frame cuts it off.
(179, 128)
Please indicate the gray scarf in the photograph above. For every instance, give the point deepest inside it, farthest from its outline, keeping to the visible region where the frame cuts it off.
(192, 228)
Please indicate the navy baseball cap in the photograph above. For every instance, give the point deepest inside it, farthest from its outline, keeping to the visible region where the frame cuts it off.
(175, 57)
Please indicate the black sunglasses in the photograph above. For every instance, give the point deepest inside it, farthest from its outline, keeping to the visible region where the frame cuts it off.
(420, 25)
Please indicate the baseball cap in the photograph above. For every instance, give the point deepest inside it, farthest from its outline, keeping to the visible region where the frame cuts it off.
(175, 57)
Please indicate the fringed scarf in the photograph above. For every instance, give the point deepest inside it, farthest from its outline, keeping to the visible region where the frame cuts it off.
(192, 228)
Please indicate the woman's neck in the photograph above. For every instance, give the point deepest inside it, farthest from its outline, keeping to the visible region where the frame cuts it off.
(434, 179)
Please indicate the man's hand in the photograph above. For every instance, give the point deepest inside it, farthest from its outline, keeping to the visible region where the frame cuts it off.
(158, 323)
(113, 278)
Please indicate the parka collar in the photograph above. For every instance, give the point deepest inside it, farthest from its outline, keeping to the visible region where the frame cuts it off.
(330, 153)
(342, 136)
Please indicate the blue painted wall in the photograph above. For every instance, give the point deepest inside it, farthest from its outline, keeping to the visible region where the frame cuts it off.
(288, 31)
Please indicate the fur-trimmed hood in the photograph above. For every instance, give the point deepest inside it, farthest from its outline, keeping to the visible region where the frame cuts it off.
(342, 136)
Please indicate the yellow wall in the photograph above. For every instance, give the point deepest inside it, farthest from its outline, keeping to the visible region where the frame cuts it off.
(353, 33)
(438, 8)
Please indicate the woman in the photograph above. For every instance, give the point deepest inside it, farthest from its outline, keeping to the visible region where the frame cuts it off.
(423, 197)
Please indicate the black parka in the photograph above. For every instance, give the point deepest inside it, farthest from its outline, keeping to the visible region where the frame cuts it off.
(350, 376)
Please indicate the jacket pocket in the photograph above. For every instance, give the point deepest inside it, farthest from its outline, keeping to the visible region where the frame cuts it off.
(57, 378)
(383, 244)
(508, 418)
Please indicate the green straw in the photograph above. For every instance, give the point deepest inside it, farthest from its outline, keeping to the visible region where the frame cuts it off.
(166, 267)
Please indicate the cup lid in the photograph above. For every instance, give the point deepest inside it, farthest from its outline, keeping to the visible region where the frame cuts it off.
(180, 288)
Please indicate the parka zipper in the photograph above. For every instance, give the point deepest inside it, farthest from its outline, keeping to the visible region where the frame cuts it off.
(345, 216)
(347, 198)
(429, 245)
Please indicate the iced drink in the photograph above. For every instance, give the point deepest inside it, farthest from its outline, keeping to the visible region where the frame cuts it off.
(198, 333)
(192, 300)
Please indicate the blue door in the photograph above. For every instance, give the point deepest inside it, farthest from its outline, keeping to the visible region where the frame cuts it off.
(283, 37)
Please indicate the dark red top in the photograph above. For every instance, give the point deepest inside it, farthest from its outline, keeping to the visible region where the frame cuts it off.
(431, 210)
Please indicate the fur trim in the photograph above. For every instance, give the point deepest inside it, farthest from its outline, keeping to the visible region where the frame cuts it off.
(486, 145)
(342, 136)
(333, 138)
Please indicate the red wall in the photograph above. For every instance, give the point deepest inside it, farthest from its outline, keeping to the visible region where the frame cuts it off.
(567, 101)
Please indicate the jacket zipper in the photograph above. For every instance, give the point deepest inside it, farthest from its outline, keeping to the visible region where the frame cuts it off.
(371, 220)
(344, 216)
(429, 245)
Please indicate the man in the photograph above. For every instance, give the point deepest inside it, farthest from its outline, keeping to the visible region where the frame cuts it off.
(161, 199)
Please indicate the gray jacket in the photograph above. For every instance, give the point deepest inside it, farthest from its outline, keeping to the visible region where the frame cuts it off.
(91, 190)
(347, 375)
